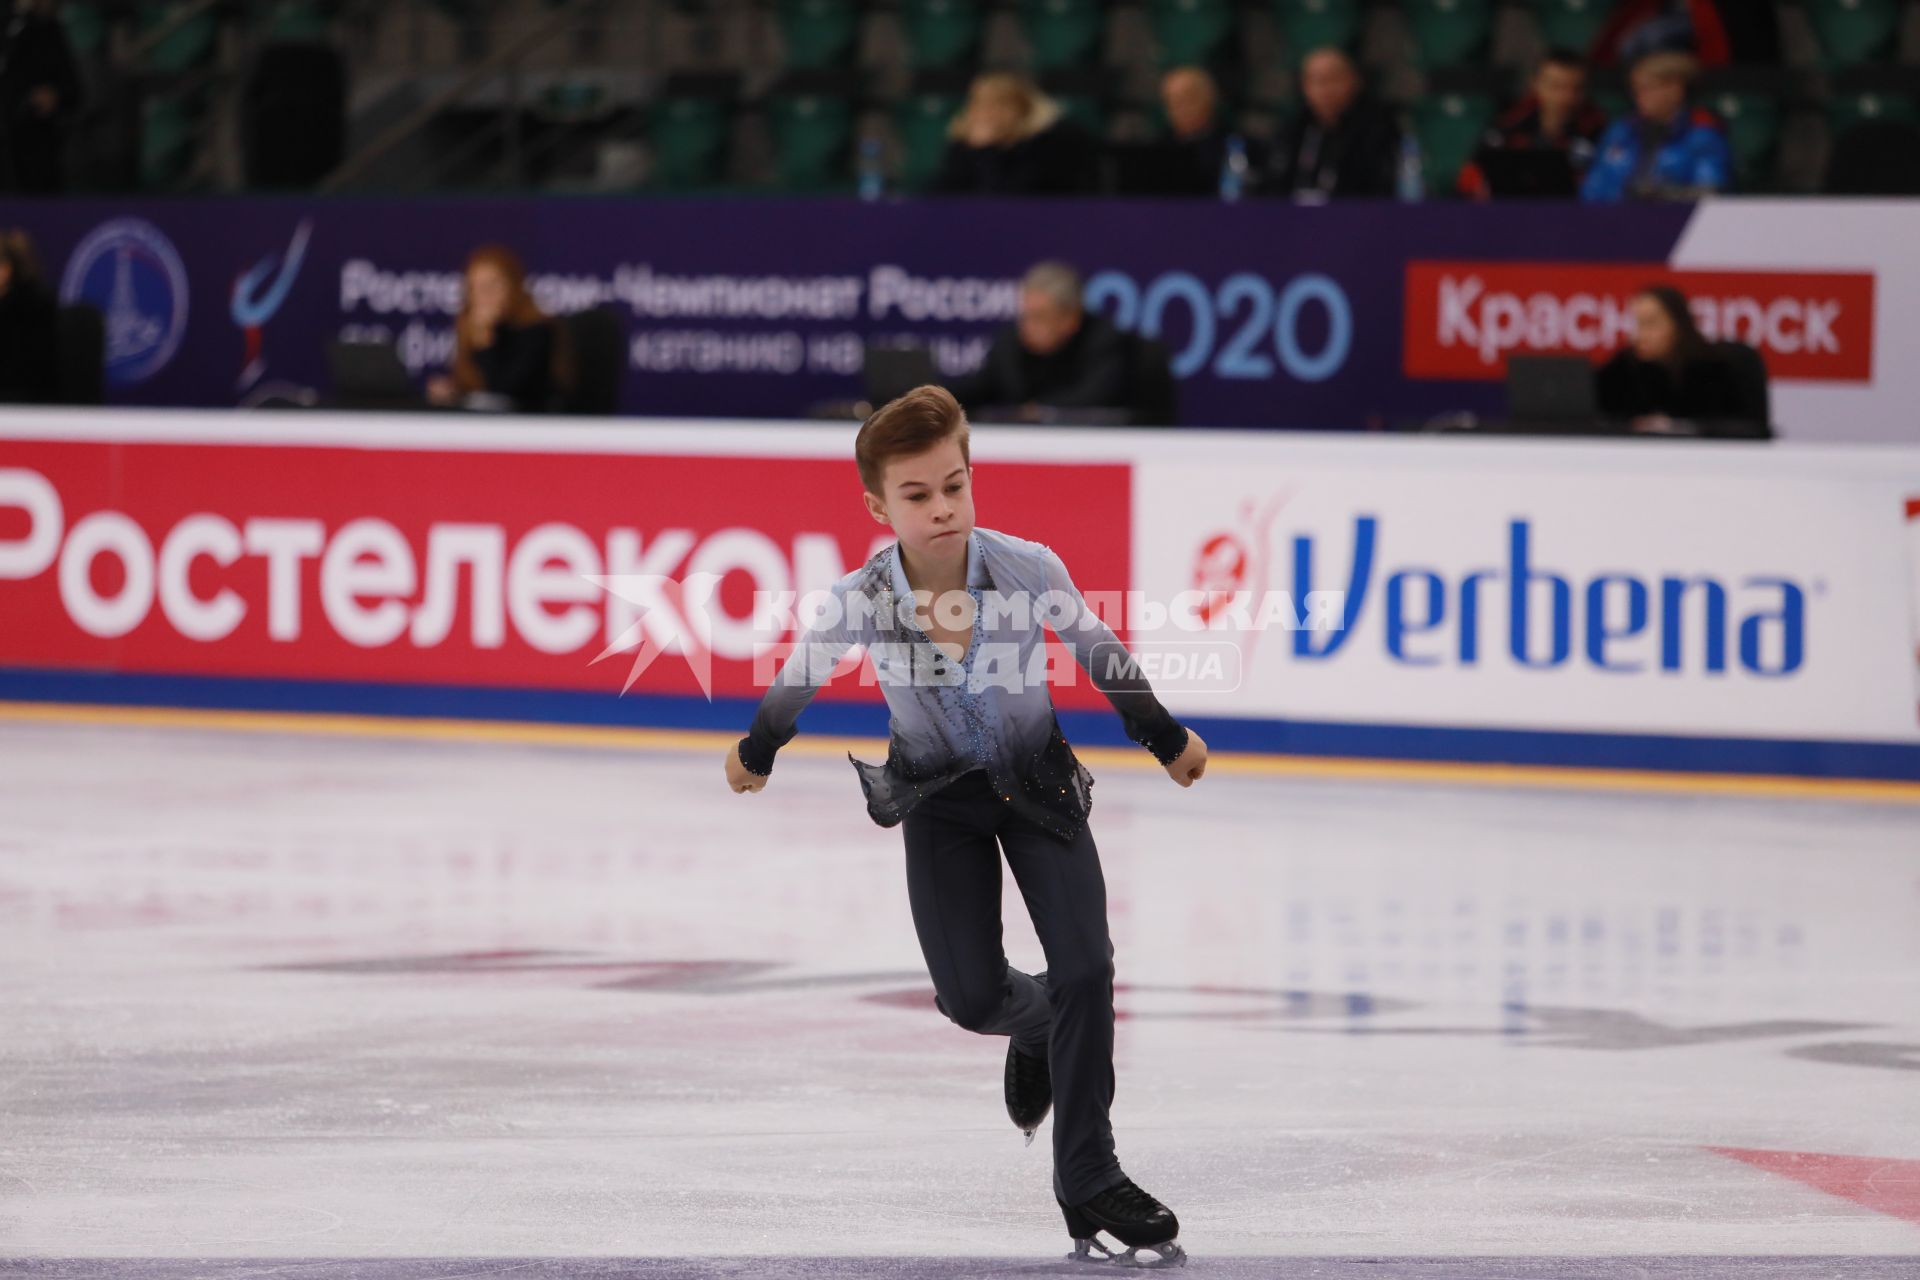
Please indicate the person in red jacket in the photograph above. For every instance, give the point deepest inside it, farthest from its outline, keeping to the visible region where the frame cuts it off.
(1555, 113)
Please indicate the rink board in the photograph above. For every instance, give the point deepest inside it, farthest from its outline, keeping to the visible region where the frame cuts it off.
(1643, 605)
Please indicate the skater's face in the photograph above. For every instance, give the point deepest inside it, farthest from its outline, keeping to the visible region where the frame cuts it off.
(927, 499)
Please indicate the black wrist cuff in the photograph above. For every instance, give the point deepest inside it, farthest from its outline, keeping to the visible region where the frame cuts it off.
(757, 760)
(1167, 744)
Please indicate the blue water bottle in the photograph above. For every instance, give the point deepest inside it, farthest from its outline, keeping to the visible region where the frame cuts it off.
(1411, 177)
(1233, 169)
(873, 170)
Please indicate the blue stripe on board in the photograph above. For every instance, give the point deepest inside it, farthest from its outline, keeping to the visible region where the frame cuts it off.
(1815, 759)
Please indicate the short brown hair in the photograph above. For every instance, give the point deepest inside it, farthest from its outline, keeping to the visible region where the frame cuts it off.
(902, 428)
(1667, 65)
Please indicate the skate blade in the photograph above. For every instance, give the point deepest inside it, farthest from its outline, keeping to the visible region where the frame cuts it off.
(1166, 1254)
(1030, 1133)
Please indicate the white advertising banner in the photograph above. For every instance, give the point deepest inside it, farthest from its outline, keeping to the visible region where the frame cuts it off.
(1707, 605)
(1871, 388)
(1627, 588)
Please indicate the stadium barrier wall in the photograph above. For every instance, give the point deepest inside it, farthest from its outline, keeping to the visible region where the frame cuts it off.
(1360, 314)
(1647, 604)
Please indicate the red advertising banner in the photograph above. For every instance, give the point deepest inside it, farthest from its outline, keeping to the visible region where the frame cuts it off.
(454, 567)
(1464, 318)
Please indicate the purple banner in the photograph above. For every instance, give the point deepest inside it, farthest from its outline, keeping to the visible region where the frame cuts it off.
(1276, 314)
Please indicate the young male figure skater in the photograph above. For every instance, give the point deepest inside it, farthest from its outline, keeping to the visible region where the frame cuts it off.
(976, 756)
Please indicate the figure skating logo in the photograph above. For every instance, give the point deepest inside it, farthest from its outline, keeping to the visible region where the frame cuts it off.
(133, 274)
(257, 298)
(1237, 563)
(1220, 571)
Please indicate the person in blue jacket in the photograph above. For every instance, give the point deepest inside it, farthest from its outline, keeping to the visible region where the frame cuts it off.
(1666, 149)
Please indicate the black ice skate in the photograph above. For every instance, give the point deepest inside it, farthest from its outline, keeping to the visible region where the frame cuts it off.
(1130, 1216)
(1029, 1091)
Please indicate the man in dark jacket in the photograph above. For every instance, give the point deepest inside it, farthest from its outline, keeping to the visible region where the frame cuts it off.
(1193, 158)
(39, 95)
(1056, 356)
(1555, 115)
(1344, 144)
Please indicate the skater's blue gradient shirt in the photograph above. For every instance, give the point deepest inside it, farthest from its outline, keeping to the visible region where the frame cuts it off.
(989, 710)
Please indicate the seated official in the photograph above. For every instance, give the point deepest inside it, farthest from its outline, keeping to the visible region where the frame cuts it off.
(29, 336)
(1058, 356)
(1346, 143)
(503, 343)
(1011, 139)
(1667, 149)
(1670, 381)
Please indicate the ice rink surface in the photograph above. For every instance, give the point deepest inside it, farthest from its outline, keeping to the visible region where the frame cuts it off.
(273, 1000)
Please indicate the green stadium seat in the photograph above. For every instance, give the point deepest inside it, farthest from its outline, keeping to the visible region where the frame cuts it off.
(1063, 33)
(1607, 88)
(294, 21)
(812, 138)
(168, 130)
(1306, 25)
(942, 33)
(1084, 96)
(1449, 32)
(572, 101)
(1854, 31)
(818, 34)
(1866, 93)
(1752, 101)
(1085, 110)
(86, 27)
(1571, 24)
(1191, 33)
(921, 120)
(1449, 125)
(690, 128)
(183, 48)
(468, 14)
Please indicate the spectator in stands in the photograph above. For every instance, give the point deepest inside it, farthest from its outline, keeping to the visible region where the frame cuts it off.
(1057, 355)
(1667, 149)
(1344, 144)
(1553, 116)
(28, 336)
(503, 343)
(1011, 139)
(39, 96)
(1669, 380)
(1191, 159)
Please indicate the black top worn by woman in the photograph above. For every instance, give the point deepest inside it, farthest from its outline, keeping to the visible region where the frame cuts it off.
(1703, 390)
(519, 365)
(1061, 159)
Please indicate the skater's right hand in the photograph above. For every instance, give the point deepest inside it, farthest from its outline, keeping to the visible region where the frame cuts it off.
(739, 777)
(1191, 763)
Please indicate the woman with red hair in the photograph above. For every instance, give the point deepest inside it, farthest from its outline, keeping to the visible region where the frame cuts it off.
(503, 343)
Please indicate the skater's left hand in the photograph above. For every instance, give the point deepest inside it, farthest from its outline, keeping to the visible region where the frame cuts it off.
(739, 777)
(1191, 763)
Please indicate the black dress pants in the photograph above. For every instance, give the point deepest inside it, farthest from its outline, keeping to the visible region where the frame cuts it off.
(954, 840)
